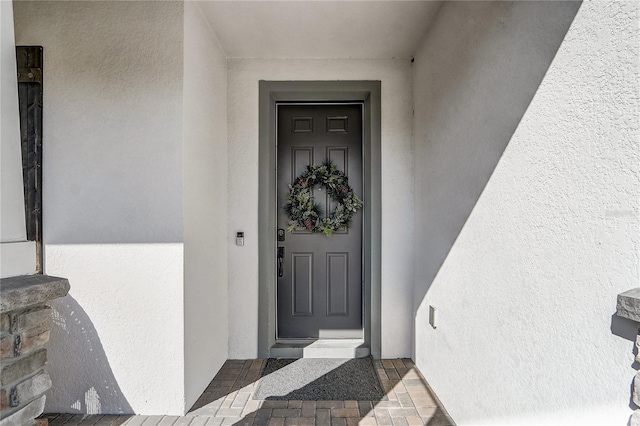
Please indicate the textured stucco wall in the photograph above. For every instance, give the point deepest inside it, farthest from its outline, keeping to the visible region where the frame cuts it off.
(205, 201)
(112, 213)
(397, 190)
(12, 213)
(527, 222)
(17, 257)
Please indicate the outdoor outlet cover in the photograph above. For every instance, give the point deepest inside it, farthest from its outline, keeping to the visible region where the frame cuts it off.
(432, 316)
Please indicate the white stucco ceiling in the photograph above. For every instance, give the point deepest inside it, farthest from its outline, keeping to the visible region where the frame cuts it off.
(320, 29)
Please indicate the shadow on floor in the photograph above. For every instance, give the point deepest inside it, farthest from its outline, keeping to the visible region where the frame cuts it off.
(87, 419)
(328, 379)
(406, 398)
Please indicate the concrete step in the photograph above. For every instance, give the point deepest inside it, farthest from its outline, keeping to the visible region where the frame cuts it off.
(321, 348)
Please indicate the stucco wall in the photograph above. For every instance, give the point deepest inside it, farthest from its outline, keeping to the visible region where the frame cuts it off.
(205, 203)
(17, 257)
(397, 189)
(112, 208)
(527, 222)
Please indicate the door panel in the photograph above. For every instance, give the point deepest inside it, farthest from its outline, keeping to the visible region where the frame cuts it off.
(320, 291)
(337, 284)
(302, 279)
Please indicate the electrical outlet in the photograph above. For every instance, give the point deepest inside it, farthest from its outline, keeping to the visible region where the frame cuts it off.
(432, 316)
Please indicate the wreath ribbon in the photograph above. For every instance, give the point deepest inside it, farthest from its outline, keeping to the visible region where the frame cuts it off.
(304, 213)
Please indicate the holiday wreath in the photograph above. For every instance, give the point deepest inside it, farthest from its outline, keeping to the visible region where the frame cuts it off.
(304, 213)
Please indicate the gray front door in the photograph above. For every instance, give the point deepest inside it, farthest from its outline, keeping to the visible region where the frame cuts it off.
(319, 292)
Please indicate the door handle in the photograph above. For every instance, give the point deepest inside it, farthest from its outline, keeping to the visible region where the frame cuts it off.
(280, 260)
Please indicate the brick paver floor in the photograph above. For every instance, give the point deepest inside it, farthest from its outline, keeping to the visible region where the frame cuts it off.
(228, 401)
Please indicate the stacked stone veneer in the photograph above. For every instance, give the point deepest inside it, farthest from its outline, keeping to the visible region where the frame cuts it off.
(628, 306)
(24, 329)
(635, 393)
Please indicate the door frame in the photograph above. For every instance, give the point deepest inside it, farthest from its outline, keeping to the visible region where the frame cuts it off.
(367, 92)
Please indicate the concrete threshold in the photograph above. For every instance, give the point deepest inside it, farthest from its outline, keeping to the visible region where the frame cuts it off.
(321, 348)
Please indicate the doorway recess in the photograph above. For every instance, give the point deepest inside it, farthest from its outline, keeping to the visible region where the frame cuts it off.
(272, 93)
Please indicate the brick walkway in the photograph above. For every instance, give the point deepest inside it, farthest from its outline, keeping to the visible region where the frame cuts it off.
(227, 401)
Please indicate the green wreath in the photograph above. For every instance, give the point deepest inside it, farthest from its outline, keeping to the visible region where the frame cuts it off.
(304, 213)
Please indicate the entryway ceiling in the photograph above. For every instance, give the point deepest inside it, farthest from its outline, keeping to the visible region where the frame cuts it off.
(320, 29)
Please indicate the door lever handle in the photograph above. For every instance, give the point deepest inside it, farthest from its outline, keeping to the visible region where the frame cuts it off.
(280, 260)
